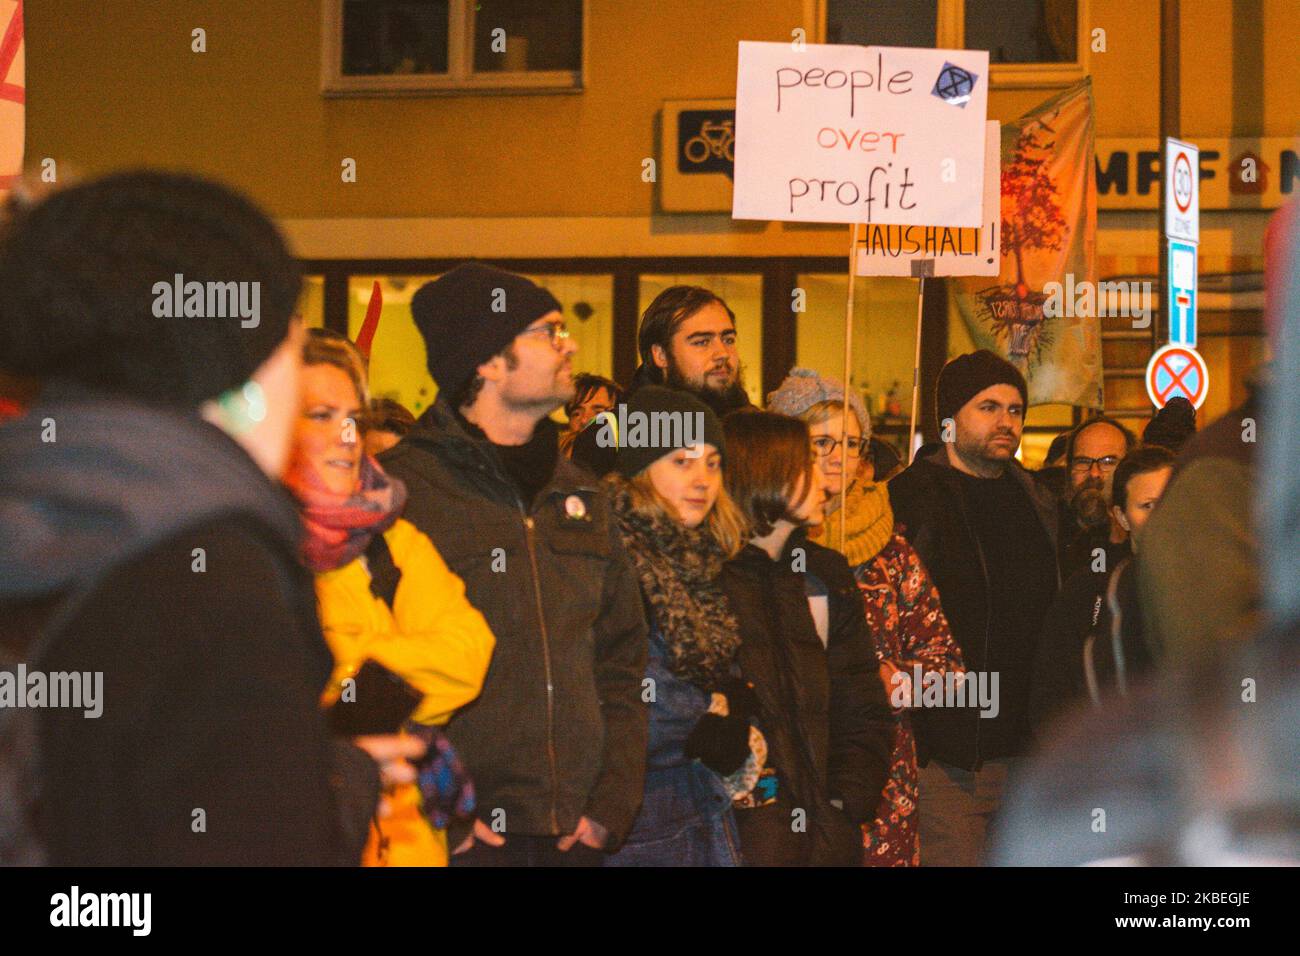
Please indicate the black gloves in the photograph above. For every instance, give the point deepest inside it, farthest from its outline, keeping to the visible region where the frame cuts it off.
(741, 699)
(720, 743)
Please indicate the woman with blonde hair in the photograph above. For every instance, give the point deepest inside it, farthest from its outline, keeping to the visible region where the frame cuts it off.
(902, 604)
(678, 526)
(383, 592)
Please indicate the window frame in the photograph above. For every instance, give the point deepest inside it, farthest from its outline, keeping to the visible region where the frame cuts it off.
(460, 78)
(950, 34)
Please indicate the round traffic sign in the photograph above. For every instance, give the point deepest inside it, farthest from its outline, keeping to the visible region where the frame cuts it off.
(1182, 182)
(1177, 370)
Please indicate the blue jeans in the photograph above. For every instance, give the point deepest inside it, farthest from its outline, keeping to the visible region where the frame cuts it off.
(685, 820)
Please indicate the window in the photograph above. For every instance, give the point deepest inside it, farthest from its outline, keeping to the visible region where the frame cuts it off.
(1031, 43)
(391, 47)
(1023, 31)
(311, 301)
(882, 22)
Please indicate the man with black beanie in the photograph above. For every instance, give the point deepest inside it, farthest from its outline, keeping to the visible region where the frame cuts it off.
(556, 742)
(987, 534)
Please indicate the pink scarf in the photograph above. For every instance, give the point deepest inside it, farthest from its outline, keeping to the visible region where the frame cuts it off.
(339, 527)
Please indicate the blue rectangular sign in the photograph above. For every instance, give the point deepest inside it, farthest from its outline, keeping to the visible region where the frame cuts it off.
(1181, 294)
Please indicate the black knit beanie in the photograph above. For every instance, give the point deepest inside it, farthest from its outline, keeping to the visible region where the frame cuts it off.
(472, 313)
(656, 437)
(90, 279)
(967, 375)
(1172, 425)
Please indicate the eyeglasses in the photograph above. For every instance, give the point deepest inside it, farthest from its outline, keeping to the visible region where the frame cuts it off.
(825, 445)
(557, 332)
(1082, 463)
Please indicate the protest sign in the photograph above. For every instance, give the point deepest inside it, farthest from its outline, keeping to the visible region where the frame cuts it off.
(942, 250)
(840, 133)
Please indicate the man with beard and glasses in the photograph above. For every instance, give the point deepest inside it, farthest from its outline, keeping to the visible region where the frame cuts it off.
(986, 531)
(1092, 538)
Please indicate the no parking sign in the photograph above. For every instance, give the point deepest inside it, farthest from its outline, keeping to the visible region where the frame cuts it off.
(1177, 370)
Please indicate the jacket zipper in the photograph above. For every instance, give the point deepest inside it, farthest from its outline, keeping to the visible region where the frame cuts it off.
(546, 658)
(488, 468)
(988, 607)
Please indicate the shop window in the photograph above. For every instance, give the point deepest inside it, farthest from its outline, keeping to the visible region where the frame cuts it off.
(311, 301)
(744, 296)
(884, 343)
(377, 47)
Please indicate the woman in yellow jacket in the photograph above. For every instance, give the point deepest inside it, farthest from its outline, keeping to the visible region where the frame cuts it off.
(424, 630)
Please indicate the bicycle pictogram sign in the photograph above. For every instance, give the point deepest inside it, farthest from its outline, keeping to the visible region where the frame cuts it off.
(1177, 370)
(706, 141)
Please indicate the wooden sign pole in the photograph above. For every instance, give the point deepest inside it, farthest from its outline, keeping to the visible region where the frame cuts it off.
(916, 370)
(848, 367)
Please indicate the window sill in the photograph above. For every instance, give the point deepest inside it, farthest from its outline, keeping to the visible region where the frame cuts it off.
(1046, 76)
(559, 81)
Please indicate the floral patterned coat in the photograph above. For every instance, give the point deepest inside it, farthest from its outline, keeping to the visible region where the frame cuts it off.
(903, 610)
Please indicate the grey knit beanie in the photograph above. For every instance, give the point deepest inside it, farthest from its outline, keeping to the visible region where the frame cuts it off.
(803, 388)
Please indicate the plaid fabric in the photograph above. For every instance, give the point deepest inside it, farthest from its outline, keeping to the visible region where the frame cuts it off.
(444, 783)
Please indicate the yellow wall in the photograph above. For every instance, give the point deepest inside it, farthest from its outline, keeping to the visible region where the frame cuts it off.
(115, 84)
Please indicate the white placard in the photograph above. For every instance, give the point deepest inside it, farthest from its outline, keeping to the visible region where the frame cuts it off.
(943, 250)
(840, 133)
(1182, 191)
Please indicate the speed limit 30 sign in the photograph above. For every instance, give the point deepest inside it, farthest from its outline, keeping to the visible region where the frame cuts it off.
(1182, 191)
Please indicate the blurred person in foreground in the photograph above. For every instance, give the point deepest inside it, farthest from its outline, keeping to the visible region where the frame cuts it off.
(902, 606)
(1198, 767)
(383, 591)
(146, 540)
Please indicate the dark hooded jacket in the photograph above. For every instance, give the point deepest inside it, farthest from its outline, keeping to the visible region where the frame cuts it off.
(930, 506)
(824, 712)
(147, 546)
(559, 731)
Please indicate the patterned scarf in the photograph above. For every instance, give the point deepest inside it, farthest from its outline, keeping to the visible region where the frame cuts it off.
(868, 527)
(678, 570)
(339, 527)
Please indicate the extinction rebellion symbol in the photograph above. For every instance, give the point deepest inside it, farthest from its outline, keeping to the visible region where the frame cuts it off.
(954, 85)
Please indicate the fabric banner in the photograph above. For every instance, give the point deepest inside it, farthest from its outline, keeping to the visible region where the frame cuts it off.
(13, 94)
(1049, 228)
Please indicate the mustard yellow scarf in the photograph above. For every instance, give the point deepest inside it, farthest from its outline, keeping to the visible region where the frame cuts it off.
(868, 526)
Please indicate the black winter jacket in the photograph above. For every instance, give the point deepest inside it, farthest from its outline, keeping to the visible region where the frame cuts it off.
(147, 546)
(825, 715)
(928, 502)
(559, 731)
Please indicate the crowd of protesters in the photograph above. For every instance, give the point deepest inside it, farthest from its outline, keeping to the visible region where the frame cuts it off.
(764, 640)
